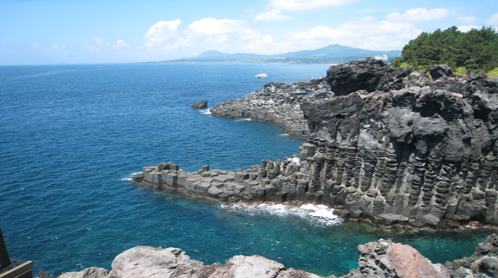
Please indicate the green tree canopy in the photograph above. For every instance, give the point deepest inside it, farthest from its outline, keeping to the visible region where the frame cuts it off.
(475, 50)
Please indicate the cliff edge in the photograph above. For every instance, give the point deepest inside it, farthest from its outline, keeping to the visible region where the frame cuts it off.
(389, 144)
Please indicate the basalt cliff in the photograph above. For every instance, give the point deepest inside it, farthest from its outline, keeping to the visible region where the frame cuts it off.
(389, 144)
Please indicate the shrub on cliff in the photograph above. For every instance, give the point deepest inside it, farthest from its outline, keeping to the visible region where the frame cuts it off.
(476, 50)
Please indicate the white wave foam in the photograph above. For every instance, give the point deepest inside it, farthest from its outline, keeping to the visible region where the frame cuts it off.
(317, 214)
(130, 176)
(244, 120)
(206, 112)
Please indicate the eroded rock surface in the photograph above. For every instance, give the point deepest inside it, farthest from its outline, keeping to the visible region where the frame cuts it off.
(388, 144)
(277, 103)
(379, 259)
(149, 262)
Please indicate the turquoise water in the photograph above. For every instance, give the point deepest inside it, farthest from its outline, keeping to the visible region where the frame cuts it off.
(71, 136)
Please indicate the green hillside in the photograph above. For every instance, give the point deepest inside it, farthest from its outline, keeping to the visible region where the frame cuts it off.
(476, 50)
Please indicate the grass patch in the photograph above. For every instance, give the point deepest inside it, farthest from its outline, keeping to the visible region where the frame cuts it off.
(461, 71)
(493, 73)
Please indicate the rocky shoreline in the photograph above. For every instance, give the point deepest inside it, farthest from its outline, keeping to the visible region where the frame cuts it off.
(390, 146)
(385, 144)
(377, 259)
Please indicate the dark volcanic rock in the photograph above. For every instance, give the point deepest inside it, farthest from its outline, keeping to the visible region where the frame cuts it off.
(278, 103)
(483, 263)
(203, 104)
(366, 74)
(438, 71)
(403, 149)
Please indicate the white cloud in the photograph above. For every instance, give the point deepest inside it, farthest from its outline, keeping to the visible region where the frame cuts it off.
(466, 28)
(467, 19)
(493, 20)
(90, 48)
(161, 31)
(259, 45)
(35, 44)
(98, 41)
(271, 15)
(365, 32)
(320, 32)
(409, 35)
(418, 15)
(120, 44)
(298, 5)
(213, 26)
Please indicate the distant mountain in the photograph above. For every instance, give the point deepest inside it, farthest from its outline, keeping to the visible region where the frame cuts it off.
(337, 50)
(332, 54)
(214, 54)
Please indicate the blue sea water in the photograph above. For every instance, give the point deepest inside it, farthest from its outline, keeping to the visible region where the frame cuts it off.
(72, 135)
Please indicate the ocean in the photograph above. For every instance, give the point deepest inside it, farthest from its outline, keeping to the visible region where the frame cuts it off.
(72, 135)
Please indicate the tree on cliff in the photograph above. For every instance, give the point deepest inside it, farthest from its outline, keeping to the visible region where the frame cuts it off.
(476, 50)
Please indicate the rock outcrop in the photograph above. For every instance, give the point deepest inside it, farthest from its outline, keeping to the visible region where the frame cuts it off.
(148, 262)
(381, 259)
(278, 103)
(387, 259)
(483, 263)
(366, 74)
(392, 146)
(203, 104)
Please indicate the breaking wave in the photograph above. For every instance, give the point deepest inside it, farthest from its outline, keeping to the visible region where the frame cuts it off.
(317, 214)
(130, 176)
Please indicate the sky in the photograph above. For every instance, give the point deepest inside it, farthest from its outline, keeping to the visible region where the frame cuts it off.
(121, 31)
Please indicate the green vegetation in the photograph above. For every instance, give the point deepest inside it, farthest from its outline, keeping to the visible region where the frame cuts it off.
(493, 73)
(476, 50)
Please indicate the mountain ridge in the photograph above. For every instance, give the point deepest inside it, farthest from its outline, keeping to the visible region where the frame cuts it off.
(334, 53)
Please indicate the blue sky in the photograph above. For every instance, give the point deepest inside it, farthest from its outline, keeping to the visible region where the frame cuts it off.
(114, 31)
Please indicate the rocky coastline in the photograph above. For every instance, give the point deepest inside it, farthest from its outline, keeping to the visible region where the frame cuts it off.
(377, 259)
(387, 145)
(390, 145)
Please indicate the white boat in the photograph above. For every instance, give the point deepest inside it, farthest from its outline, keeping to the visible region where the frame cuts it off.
(261, 75)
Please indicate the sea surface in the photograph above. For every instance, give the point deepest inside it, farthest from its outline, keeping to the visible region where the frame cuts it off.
(72, 135)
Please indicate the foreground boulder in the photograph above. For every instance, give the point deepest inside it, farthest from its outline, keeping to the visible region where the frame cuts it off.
(148, 262)
(387, 259)
(377, 260)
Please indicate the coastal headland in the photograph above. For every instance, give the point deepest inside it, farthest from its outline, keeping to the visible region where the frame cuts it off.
(391, 145)
(386, 145)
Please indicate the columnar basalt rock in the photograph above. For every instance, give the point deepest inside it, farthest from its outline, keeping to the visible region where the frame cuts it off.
(417, 154)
